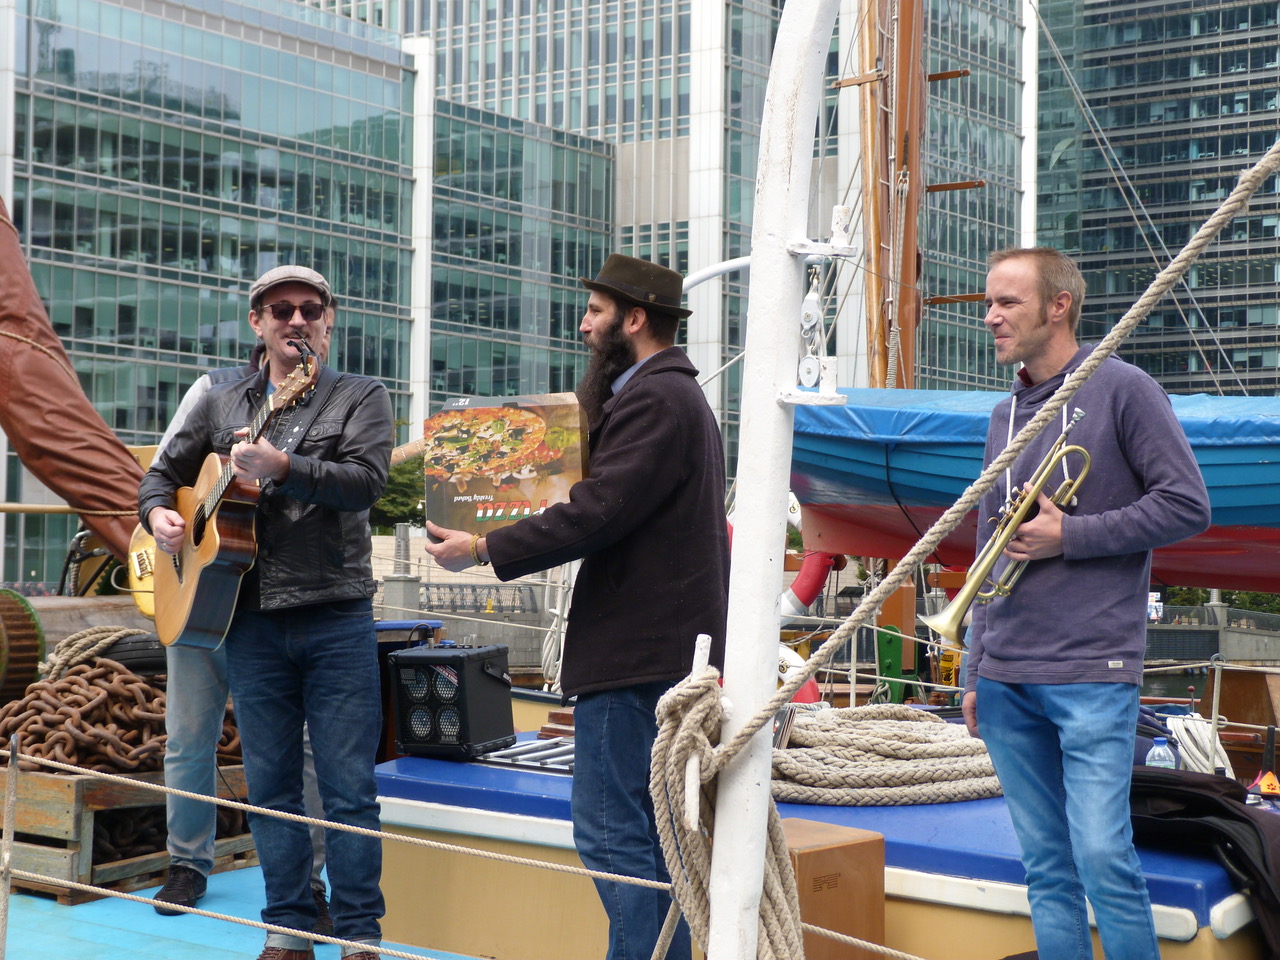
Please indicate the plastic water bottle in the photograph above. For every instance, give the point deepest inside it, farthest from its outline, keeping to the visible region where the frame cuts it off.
(1162, 755)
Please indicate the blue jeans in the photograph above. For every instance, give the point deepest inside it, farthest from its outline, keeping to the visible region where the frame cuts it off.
(613, 822)
(316, 663)
(1064, 755)
(195, 706)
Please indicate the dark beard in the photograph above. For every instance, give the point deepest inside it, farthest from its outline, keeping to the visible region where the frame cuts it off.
(609, 359)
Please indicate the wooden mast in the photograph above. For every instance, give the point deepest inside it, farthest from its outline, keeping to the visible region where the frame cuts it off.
(893, 98)
(892, 118)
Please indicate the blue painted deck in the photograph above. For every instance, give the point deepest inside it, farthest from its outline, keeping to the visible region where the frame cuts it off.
(41, 927)
(972, 839)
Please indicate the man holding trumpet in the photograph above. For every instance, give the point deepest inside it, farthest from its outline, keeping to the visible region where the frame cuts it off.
(1056, 664)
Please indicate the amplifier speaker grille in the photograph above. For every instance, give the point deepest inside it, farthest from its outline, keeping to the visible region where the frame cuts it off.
(451, 702)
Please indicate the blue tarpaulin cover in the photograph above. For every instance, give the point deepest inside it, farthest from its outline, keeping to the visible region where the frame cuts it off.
(960, 416)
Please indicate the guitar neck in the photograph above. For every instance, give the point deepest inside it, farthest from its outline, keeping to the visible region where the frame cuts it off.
(256, 428)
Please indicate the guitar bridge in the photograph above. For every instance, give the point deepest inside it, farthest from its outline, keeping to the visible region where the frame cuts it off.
(141, 561)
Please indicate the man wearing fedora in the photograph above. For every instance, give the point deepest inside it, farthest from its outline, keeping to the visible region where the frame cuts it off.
(648, 524)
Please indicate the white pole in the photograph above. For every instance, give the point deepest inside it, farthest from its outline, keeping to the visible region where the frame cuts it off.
(1030, 77)
(776, 290)
(715, 270)
(422, 225)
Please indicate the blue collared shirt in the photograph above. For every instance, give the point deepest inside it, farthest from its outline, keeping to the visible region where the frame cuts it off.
(626, 375)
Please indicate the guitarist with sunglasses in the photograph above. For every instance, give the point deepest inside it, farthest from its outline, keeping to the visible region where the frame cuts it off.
(195, 709)
(298, 626)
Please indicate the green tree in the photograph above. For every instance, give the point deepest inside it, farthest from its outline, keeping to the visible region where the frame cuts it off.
(1239, 599)
(1186, 596)
(401, 502)
(1253, 601)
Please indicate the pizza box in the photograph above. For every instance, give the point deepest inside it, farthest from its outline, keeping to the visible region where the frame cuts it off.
(490, 461)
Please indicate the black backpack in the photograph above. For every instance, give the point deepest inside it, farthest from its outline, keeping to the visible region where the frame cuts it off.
(1201, 811)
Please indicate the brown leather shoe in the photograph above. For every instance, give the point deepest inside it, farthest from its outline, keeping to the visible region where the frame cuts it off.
(281, 953)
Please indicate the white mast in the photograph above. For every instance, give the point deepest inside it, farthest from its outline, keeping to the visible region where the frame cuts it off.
(777, 288)
(1027, 128)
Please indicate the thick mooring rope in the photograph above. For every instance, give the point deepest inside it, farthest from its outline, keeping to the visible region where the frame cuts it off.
(881, 755)
(668, 768)
(83, 647)
(689, 719)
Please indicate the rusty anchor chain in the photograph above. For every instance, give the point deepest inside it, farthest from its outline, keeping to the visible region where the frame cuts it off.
(96, 716)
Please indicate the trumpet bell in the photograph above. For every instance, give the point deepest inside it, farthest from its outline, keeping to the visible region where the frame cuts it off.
(948, 623)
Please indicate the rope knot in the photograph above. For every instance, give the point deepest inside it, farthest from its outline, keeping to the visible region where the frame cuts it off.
(690, 713)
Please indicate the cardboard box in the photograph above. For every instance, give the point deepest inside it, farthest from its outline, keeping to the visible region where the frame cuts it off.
(840, 878)
(490, 461)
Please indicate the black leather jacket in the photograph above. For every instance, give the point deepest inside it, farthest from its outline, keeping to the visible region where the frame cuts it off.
(313, 528)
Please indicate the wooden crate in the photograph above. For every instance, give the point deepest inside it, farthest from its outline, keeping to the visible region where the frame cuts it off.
(53, 828)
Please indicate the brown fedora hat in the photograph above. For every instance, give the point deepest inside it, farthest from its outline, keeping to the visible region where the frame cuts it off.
(640, 281)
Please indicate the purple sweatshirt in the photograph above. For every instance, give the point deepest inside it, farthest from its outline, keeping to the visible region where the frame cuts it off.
(1081, 617)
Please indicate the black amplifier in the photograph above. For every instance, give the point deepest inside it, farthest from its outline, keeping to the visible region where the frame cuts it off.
(450, 701)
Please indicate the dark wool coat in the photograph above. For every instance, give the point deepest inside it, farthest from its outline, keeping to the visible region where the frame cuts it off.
(649, 525)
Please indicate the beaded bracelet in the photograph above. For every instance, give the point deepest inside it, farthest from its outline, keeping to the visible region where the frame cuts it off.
(475, 551)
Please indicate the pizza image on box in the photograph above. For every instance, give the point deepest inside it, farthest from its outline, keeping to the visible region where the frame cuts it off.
(484, 442)
(490, 461)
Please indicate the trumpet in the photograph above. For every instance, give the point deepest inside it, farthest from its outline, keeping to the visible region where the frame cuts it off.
(979, 586)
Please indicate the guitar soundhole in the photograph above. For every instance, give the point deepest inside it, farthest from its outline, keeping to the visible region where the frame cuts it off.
(197, 531)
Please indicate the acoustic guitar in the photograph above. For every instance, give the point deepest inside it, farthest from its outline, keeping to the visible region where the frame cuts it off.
(142, 546)
(196, 587)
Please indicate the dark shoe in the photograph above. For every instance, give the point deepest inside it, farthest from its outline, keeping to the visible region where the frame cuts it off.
(184, 886)
(362, 955)
(324, 922)
(280, 953)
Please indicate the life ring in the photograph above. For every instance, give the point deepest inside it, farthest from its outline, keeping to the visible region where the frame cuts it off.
(789, 660)
(796, 600)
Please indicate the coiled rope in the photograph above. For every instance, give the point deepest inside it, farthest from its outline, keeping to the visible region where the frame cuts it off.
(82, 647)
(1201, 749)
(689, 719)
(677, 839)
(881, 755)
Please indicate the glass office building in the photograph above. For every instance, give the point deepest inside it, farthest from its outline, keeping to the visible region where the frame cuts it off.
(521, 213)
(161, 160)
(974, 131)
(675, 86)
(1185, 98)
(163, 156)
(679, 87)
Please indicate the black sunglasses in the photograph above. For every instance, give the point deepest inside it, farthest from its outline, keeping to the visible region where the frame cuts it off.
(283, 310)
